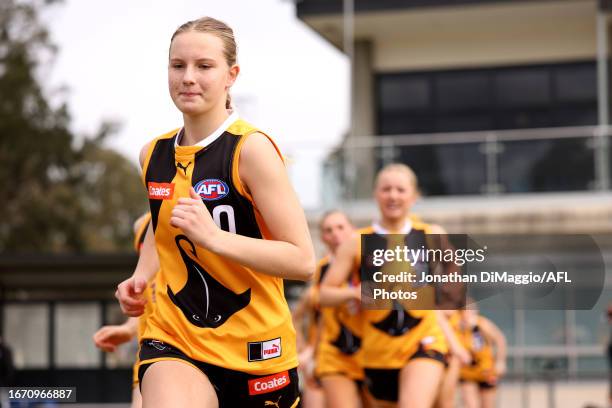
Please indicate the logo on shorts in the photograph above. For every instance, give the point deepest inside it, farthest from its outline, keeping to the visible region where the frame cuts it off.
(161, 191)
(157, 344)
(211, 189)
(264, 350)
(270, 383)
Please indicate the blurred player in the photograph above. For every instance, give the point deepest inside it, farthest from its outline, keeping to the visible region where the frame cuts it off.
(403, 351)
(487, 345)
(108, 338)
(228, 229)
(335, 368)
(458, 355)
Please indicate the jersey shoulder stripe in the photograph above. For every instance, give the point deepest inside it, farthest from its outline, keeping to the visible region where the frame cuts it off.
(152, 144)
(142, 231)
(243, 129)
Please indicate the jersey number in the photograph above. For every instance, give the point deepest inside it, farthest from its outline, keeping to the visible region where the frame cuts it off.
(228, 210)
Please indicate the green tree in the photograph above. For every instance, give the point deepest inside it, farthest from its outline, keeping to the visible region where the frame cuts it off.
(47, 185)
(111, 194)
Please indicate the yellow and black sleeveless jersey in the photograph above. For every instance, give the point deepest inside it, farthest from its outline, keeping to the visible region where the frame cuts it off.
(396, 334)
(314, 310)
(147, 294)
(139, 237)
(213, 309)
(338, 351)
(482, 368)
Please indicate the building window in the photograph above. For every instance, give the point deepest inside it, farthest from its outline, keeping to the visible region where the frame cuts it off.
(75, 323)
(546, 165)
(468, 100)
(26, 332)
(125, 355)
(545, 328)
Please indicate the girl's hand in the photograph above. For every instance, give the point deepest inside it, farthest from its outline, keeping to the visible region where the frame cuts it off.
(129, 294)
(461, 353)
(500, 368)
(192, 217)
(109, 337)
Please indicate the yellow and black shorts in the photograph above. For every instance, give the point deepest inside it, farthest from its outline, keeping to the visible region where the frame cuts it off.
(383, 383)
(135, 381)
(234, 388)
(487, 384)
(330, 361)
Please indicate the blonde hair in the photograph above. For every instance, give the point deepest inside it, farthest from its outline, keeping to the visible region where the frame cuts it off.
(220, 29)
(327, 213)
(400, 168)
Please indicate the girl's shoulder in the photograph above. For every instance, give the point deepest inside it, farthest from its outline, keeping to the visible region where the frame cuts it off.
(146, 149)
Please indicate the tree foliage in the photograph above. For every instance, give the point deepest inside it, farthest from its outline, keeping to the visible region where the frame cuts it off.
(54, 196)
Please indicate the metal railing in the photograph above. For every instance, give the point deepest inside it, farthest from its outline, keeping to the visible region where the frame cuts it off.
(494, 162)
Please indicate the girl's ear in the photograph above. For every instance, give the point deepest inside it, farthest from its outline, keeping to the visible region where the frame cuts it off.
(233, 74)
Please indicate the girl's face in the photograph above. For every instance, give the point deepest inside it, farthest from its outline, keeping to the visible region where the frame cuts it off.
(198, 75)
(395, 194)
(335, 229)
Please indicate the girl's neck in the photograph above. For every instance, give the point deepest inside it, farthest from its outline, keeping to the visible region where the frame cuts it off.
(198, 128)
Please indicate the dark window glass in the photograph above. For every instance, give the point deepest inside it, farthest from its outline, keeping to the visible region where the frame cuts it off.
(576, 83)
(465, 122)
(492, 99)
(546, 165)
(463, 91)
(524, 87)
(446, 169)
(488, 99)
(404, 93)
(523, 118)
(402, 123)
(575, 116)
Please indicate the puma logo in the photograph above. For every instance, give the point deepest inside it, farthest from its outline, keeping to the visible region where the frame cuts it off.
(184, 168)
(273, 404)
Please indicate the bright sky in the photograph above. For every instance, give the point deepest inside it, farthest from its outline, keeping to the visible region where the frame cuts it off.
(293, 84)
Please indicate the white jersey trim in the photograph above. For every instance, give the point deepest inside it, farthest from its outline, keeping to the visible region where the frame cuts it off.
(379, 229)
(214, 135)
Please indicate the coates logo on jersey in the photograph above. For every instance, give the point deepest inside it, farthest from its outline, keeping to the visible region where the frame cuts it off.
(270, 383)
(211, 189)
(161, 191)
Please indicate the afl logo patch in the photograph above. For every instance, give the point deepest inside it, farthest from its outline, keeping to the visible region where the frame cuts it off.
(211, 189)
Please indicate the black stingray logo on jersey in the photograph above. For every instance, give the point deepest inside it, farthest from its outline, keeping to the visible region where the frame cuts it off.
(346, 341)
(211, 189)
(397, 322)
(204, 301)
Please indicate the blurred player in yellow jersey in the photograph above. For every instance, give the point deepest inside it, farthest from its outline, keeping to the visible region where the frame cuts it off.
(327, 381)
(403, 349)
(487, 345)
(458, 355)
(108, 338)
